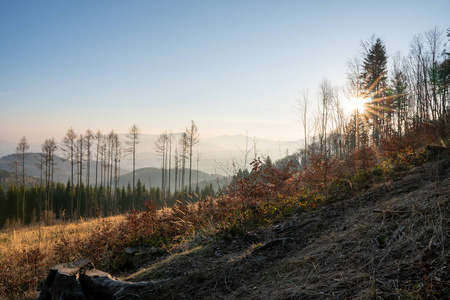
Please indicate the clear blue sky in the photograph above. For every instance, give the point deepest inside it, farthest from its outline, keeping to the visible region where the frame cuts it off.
(232, 66)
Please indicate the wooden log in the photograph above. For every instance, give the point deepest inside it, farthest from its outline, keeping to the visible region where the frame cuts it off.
(99, 282)
(78, 281)
(62, 282)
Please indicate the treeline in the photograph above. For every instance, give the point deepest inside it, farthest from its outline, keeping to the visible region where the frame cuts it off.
(46, 204)
(84, 196)
(390, 105)
(398, 113)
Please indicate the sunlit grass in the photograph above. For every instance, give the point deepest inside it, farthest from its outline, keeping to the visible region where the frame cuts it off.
(13, 240)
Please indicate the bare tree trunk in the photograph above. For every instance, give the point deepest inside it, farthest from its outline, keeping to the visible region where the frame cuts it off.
(89, 135)
(80, 182)
(98, 137)
(193, 139)
(170, 159)
(22, 152)
(69, 154)
(133, 136)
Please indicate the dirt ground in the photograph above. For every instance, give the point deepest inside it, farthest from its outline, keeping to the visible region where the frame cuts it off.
(388, 242)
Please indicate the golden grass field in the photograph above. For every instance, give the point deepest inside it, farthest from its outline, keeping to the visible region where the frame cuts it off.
(17, 239)
(27, 252)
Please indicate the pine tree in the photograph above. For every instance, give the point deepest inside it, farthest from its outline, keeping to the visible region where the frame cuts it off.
(374, 81)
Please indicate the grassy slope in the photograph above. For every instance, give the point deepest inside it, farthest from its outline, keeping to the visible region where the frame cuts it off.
(390, 241)
(17, 250)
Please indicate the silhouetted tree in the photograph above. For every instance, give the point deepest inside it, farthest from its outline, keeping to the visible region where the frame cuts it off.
(374, 81)
(184, 145)
(88, 142)
(303, 107)
(48, 148)
(161, 151)
(193, 139)
(98, 137)
(68, 148)
(22, 152)
(133, 140)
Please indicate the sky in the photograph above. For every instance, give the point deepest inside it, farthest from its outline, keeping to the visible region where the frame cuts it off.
(234, 67)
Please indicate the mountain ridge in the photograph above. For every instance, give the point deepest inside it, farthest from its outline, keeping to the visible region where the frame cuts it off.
(213, 151)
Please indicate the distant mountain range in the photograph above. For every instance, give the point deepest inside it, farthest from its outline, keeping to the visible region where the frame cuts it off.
(215, 153)
(151, 177)
(62, 167)
(218, 155)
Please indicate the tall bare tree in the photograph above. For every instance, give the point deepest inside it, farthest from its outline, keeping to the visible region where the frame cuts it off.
(22, 150)
(184, 145)
(302, 108)
(399, 86)
(88, 142)
(40, 165)
(48, 148)
(161, 151)
(434, 40)
(198, 160)
(340, 121)
(193, 139)
(68, 148)
(117, 159)
(98, 137)
(326, 93)
(80, 159)
(176, 158)
(103, 152)
(169, 141)
(133, 139)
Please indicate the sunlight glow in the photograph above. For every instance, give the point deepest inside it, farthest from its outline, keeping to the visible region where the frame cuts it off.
(357, 104)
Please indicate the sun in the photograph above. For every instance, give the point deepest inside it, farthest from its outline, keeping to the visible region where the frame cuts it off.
(356, 104)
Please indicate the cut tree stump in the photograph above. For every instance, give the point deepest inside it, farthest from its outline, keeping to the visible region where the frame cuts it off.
(80, 281)
(62, 281)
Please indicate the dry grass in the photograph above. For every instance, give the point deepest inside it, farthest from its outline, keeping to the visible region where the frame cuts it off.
(392, 244)
(26, 253)
(389, 242)
(12, 240)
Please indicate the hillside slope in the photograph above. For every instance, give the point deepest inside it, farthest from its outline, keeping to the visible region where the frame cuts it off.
(388, 242)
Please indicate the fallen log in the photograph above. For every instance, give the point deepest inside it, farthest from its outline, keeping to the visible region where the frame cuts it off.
(99, 283)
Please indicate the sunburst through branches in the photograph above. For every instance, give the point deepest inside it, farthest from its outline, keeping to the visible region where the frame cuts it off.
(375, 108)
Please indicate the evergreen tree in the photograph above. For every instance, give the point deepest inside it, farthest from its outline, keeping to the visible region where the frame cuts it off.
(374, 81)
(444, 82)
(3, 208)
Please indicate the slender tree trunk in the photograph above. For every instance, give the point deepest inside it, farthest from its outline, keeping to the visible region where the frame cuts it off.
(170, 159)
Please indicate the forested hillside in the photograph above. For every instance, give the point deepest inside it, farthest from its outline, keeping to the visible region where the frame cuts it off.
(360, 211)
